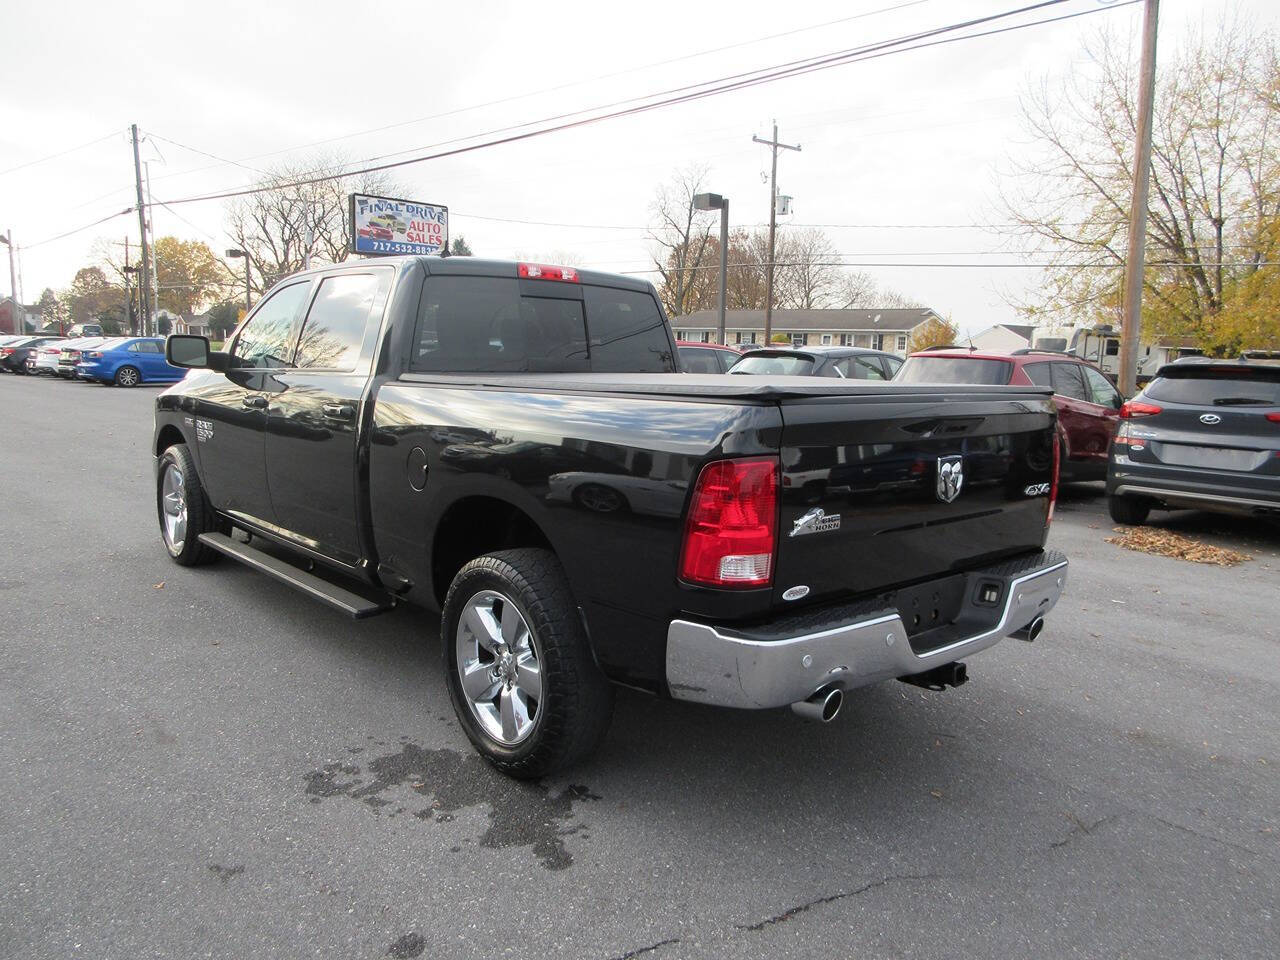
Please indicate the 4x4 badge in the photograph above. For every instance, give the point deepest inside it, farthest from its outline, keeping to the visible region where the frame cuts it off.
(950, 477)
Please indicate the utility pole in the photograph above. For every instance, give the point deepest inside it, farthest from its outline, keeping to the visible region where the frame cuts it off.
(773, 145)
(155, 271)
(145, 290)
(128, 289)
(1135, 260)
(15, 311)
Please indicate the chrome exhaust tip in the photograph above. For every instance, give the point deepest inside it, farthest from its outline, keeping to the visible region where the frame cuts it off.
(822, 706)
(1031, 630)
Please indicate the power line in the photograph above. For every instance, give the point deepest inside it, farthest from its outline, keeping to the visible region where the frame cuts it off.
(40, 243)
(1013, 265)
(564, 86)
(62, 153)
(679, 95)
(692, 92)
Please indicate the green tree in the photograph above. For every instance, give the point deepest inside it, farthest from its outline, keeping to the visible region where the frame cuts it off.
(458, 247)
(1214, 180)
(189, 276)
(934, 332)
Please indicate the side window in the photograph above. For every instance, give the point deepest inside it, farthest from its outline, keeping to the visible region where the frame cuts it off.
(148, 346)
(483, 325)
(1038, 373)
(335, 324)
(1103, 392)
(627, 332)
(135, 347)
(891, 366)
(266, 340)
(1068, 381)
(694, 360)
(861, 368)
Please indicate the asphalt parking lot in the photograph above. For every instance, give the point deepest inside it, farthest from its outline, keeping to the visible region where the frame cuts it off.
(203, 763)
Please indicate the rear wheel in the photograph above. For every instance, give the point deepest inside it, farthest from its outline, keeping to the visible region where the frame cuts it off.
(128, 377)
(1128, 510)
(183, 509)
(520, 673)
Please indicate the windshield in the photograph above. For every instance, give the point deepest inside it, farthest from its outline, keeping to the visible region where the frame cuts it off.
(775, 365)
(1218, 386)
(954, 370)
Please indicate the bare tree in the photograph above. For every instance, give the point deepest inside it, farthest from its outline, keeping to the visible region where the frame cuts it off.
(683, 244)
(272, 225)
(1214, 188)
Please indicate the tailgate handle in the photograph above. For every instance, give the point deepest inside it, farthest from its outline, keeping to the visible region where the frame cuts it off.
(255, 400)
(339, 411)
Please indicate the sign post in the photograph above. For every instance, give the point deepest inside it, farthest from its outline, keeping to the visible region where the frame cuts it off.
(386, 227)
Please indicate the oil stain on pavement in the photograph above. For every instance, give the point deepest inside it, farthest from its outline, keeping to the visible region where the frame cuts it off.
(520, 814)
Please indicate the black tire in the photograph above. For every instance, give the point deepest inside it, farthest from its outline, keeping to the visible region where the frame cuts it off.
(128, 376)
(200, 517)
(576, 702)
(1128, 510)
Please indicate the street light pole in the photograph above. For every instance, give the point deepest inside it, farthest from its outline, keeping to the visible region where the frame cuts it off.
(144, 297)
(1135, 259)
(713, 201)
(236, 254)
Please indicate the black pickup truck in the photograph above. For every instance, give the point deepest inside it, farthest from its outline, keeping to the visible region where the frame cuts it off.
(513, 444)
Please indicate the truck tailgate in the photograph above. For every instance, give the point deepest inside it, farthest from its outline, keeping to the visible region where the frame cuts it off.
(883, 491)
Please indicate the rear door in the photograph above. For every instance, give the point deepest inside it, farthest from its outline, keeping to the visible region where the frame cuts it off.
(1218, 424)
(315, 413)
(1086, 424)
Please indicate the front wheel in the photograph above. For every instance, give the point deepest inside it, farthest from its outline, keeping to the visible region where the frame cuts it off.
(183, 509)
(524, 685)
(128, 377)
(1128, 510)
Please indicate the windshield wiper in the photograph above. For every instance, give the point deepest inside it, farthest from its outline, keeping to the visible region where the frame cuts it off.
(1238, 401)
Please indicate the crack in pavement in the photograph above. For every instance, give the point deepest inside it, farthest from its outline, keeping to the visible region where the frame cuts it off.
(820, 901)
(1080, 827)
(649, 949)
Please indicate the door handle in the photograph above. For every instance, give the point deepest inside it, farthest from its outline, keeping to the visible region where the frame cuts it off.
(338, 411)
(255, 400)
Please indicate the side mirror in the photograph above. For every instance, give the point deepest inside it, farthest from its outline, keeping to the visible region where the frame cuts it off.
(192, 352)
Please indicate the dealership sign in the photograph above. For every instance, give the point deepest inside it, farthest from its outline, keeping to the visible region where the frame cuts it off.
(383, 226)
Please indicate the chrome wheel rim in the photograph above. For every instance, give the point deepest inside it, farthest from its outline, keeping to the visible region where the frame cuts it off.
(128, 377)
(173, 507)
(498, 668)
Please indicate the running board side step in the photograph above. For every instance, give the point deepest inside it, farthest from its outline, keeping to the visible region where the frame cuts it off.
(339, 598)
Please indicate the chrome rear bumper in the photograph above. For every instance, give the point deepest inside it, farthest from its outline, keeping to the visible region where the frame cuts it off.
(760, 668)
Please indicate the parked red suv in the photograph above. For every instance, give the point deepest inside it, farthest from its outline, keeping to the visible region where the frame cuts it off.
(1088, 405)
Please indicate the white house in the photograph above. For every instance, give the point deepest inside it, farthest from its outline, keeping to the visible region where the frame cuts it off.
(1002, 338)
(887, 329)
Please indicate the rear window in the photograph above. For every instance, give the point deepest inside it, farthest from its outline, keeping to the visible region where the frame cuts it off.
(775, 365)
(1221, 387)
(954, 370)
(485, 325)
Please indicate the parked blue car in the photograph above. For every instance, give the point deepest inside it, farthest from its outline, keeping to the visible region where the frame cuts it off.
(128, 362)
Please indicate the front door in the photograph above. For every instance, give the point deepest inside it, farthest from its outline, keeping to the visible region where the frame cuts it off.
(230, 408)
(314, 419)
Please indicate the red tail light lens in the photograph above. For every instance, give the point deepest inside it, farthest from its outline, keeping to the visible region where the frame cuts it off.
(1274, 417)
(1135, 408)
(731, 533)
(541, 271)
(1053, 484)
(6, 351)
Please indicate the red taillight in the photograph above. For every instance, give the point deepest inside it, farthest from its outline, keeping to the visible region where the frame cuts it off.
(6, 351)
(1274, 417)
(1053, 484)
(1136, 408)
(731, 533)
(541, 271)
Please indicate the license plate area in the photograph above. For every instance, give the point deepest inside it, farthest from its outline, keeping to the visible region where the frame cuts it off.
(928, 606)
(1216, 458)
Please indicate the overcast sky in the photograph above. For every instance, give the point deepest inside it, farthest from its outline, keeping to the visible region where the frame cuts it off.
(917, 138)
